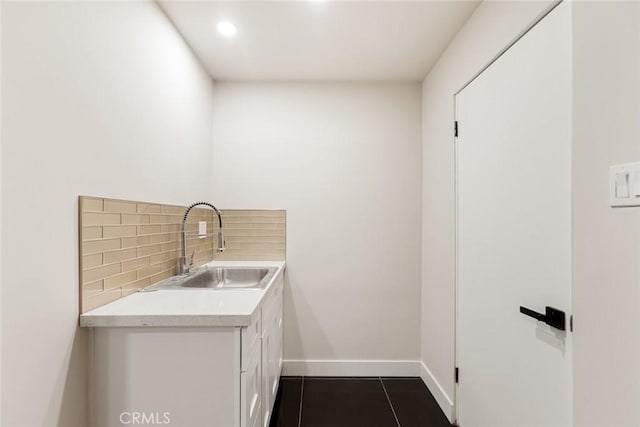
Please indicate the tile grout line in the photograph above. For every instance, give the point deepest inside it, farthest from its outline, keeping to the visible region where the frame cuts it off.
(301, 396)
(389, 400)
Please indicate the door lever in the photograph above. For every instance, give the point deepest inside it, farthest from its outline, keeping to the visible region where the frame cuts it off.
(552, 316)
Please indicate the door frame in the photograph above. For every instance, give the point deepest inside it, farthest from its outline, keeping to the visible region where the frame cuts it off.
(547, 10)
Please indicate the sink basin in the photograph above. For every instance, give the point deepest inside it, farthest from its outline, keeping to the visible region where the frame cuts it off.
(225, 277)
(219, 278)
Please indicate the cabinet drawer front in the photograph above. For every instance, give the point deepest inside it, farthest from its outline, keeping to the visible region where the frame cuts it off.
(251, 384)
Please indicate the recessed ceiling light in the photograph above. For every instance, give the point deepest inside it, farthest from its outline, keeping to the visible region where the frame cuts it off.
(227, 29)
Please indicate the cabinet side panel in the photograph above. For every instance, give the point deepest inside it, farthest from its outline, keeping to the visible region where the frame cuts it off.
(176, 376)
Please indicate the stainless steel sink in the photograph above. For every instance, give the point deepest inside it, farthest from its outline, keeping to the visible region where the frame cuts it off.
(219, 278)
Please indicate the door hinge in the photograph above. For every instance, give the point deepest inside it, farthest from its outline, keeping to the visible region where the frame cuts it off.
(455, 128)
(571, 323)
(457, 374)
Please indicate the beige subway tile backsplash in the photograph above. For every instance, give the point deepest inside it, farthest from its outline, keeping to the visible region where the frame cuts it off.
(169, 228)
(98, 273)
(119, 280)
(147, 208)
(100, 299)
(119, 231)
(149, 229)
(135, 219)
(120, 255)
(149, 250)
(176, 210)
(137, 285)
(162, 275)
(95, 246)
(93, 260)
(92, 233)
(149, 271)
(93, 288)
(92, 218)
(164, 256)
(119, 206)
(161, 238)
(133, 242)
(162, 219)
(174, 244)
(95, 205)
(128, 245)
(136, 264)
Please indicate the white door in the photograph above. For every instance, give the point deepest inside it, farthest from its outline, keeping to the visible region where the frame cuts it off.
(514, 233)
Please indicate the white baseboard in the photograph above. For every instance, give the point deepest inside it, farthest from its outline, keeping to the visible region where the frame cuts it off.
(445, 402)
(351, 368)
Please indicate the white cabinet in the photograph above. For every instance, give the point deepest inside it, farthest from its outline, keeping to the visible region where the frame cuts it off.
(251, 381)
(271, 348)
(189, 376)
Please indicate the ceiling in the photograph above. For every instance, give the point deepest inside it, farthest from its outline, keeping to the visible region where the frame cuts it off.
(320, 40)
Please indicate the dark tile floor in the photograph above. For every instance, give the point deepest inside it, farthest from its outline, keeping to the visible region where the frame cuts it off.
(355, 402)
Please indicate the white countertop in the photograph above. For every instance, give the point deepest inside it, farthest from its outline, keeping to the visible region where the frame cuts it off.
(193, 307)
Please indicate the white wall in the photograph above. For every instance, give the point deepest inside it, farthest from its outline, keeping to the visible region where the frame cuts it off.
(344, 159)
(0, 215)
(490, 29)
(99, 99)
(606, 288)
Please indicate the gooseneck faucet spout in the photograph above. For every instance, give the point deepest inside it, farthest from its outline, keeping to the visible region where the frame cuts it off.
(187, 261)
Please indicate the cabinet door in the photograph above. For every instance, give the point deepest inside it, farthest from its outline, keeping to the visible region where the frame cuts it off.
(271, 348)
(279, 335)
(251, 381)
(267, 348)
(274, 356)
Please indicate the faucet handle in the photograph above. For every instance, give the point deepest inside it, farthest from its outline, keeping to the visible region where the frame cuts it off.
(191, 258)
(221, 242)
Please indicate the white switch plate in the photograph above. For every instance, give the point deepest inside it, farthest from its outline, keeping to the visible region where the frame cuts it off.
(202, 229)
(624, 185)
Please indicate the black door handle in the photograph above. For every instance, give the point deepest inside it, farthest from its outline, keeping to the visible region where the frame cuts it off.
(552, 316)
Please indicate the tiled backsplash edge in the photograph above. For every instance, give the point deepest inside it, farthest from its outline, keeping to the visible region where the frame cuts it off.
(127, 245)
